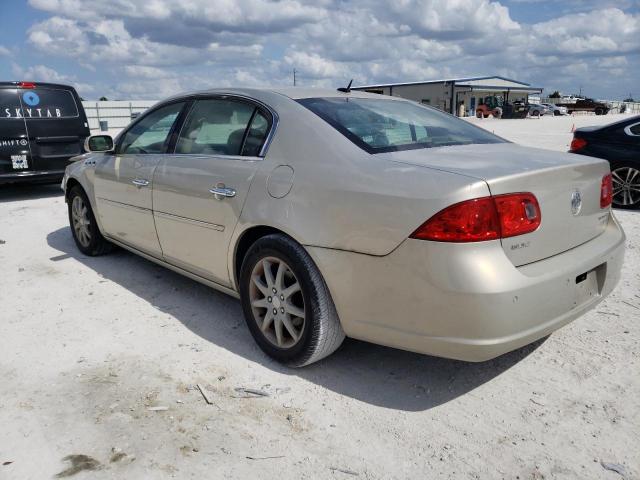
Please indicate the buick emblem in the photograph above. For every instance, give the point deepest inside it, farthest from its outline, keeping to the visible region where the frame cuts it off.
(576, 202)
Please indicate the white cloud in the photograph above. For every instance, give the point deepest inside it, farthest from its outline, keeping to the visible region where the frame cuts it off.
(4, 51)
(182, 45)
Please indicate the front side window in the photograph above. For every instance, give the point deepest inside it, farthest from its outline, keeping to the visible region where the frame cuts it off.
(391, 125)
(223, 127)
(150, 134)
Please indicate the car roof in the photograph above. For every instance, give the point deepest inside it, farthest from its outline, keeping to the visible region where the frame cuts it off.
(294, 93)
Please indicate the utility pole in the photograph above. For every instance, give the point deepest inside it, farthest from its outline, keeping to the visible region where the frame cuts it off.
(294, 77)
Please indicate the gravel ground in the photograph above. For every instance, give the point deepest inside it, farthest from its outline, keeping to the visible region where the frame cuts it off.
(100, 359)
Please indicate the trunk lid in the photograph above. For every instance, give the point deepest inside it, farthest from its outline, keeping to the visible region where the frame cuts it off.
(553, 177)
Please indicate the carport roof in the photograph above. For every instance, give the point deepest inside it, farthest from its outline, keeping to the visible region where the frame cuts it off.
(458, 82)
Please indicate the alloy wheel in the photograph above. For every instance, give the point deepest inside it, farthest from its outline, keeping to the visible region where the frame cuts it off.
(626, 186)
(81, 221)
(277, 302)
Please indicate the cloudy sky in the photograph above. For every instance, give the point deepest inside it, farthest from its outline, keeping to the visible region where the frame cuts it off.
(126, 49)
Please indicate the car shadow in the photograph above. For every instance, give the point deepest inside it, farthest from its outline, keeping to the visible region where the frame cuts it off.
(370, 373)
(27, 191)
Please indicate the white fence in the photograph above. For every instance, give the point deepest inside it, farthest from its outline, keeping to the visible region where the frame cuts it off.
(113, 116)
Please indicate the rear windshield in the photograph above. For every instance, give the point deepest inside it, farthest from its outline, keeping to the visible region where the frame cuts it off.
(37, 103)
(380, 125)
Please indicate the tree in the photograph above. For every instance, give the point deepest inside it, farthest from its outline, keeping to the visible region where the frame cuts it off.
(104, 99)
(630, 99)
(555, 94)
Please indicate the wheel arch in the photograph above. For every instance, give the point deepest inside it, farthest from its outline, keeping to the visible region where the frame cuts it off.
(71, 182)
(242, 245)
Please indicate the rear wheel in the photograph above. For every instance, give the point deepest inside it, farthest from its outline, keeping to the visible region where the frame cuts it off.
(83, 224)
(599, 111)
(626, 185)
(286, 303)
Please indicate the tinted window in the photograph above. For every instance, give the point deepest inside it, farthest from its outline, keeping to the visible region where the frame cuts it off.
(216, 127)
(378, 125)
(38, 103)
(9, 104)
(635, 129)
(256, 135)
(150, 134)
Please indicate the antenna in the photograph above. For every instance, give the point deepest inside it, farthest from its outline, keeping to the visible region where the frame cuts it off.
(347, 89)
(294, 77)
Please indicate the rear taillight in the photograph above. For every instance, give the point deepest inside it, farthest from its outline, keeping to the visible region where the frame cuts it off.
(606, 191)
(486, 218)
(519, 213)
(577, 144)
(27, 85)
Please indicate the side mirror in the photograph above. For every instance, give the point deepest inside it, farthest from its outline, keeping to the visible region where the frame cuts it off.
(98, 143)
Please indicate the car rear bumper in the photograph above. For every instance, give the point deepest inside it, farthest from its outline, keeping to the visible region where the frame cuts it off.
(467, 301)
(32, 176)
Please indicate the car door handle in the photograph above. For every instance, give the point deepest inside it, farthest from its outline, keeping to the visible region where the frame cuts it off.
(220, 192)
(140, 182)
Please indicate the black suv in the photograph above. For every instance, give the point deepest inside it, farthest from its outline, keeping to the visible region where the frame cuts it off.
(41, 126)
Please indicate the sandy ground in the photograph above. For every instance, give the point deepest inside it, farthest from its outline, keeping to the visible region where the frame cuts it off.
(100, 358)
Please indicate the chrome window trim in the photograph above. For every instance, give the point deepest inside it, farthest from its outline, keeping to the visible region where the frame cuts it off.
(275, 120)
(628, 131)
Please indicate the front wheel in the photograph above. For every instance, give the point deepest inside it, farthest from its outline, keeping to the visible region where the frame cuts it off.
(626, 185)
(286, 303)
(84, 227)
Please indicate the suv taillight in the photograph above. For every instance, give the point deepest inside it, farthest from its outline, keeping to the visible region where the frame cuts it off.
(577, 144)
(486, 218)
(606, 191)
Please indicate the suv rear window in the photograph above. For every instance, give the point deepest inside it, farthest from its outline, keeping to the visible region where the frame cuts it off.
(37, 103)
(379, 125)
(9, 103)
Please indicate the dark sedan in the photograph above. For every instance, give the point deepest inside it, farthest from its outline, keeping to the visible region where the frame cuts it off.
(619, 143)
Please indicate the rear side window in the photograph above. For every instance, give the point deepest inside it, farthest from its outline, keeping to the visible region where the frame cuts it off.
(215, 127)
(219, 126)
(38, 103)
(635, 129)
(256, 135)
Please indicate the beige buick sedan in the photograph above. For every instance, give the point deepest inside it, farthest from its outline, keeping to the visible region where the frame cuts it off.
(333, 213)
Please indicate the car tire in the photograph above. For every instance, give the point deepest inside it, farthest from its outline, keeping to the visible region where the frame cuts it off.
(286, 303)
(598, 111)
(535, 113)
(84, 227)
(625, 175)
(556, 113)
